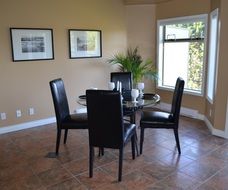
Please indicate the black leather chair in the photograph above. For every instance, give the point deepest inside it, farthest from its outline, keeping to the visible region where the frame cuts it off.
(106, 126)
(159, 119)
(124, 77)
(64, 119)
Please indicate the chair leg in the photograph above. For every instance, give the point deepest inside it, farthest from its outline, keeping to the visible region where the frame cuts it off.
(133, 146)
(141, 139)
(65, 136)
(58, 141)
(120, 164)
(101, 151)
(91, 157)
(177, 140)
(136, 144)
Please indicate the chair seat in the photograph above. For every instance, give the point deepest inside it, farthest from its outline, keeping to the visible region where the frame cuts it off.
(129, 130)
(78, 121)
(156, 117)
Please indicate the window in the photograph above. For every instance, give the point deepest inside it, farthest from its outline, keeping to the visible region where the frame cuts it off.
(181, 52)
(212, 56)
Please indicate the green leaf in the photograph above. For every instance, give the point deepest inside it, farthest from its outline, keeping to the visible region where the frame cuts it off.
(132, 62)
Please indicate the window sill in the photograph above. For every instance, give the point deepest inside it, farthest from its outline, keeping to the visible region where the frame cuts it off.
(189, 92)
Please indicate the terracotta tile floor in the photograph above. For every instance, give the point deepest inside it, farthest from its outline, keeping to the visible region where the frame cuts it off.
(25, 162)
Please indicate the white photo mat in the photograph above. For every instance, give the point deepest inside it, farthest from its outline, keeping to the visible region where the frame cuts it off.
(85, 43)
(31, 44)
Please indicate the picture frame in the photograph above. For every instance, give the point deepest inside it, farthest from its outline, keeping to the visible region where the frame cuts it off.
(32, 44)
(85, 43)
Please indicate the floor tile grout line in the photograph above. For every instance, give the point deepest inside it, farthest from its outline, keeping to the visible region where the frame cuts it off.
(203, 182)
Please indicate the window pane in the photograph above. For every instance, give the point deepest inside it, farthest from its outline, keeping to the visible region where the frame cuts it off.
(175, 62)
(187, 30)
(184, 59)
(195, 67)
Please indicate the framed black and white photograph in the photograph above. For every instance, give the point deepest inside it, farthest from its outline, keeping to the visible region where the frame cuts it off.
(30, 44)
(84, 43)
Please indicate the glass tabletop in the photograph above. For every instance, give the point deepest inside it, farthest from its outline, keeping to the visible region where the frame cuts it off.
(143, 100)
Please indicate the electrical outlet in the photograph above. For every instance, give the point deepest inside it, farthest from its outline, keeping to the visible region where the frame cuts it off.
(18, 113)
(31, 111)
(210, 113)
(3, 116)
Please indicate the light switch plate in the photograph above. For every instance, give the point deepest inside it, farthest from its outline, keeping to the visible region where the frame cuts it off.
(18, 113)
(3, 116)
(31, 111)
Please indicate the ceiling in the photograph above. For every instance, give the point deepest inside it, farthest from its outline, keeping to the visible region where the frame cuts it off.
(131, 2)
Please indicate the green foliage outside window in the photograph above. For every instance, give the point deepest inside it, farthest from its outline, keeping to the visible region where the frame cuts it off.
(196, 54)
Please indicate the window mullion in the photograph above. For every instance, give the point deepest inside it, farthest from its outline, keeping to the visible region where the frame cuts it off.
(184, 40)
(163, 54)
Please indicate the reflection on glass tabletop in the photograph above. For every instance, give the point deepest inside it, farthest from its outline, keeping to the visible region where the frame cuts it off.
(82, 97)
(144, 100)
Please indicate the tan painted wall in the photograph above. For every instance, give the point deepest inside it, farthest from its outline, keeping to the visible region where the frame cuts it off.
(26, 84)
(141, 27)
(177, 8)
(210, 107)
(222, 81)
(215, 4)
(131, 2)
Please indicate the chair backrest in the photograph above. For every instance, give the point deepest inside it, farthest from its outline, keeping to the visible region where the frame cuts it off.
(177, 97)
(124, 77)
(59, 99)
(105, 118)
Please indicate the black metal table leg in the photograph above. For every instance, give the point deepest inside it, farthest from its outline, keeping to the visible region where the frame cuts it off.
(132, 120)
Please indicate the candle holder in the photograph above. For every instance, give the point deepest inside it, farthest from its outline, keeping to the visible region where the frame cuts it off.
(134, 94)
(140, 86)
(111, 85)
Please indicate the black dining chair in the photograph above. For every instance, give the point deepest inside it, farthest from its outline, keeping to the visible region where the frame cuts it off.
(106, 126)
(124, 77)
(64, 119)
(160, 119)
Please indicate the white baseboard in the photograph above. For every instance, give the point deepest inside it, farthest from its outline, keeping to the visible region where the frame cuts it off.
(214, 131)
(184, 111)
(196, 115)
(219, 133)
(209, 125)
(27, 125)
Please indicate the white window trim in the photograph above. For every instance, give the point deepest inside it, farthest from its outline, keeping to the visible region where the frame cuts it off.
(213, 13)
(162, 22)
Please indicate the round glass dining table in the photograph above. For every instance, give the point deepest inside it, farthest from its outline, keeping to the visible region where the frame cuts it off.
(146, 99)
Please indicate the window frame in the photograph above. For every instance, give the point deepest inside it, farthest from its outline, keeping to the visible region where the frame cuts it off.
(160, 49)
(214, 13)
